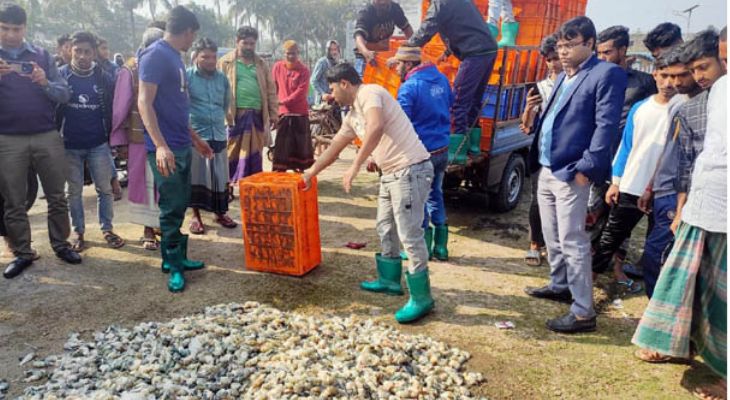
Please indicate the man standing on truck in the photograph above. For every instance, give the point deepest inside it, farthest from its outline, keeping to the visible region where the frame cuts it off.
(571, 149)
(374, 27)
(467, 37)
(387, 134)
(426, 98)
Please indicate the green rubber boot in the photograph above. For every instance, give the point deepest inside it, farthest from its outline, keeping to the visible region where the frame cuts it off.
(428, 235)
(421, 302)
(189, 265)
(494, 30)
(509, 33)
(173, 257)
(389, 272)
(441, 240)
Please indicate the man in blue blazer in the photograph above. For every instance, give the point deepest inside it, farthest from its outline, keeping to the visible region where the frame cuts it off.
(572, 148)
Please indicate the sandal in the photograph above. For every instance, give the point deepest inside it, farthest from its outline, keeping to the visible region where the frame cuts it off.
(196, 227)
(113, 240)
(651, 356)
(225, 221)
(78, 245)
(631, 286)
(150, 243)
(533, 258)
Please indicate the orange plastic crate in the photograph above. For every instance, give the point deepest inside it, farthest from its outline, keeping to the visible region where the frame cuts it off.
(487, 125)
(280, 223)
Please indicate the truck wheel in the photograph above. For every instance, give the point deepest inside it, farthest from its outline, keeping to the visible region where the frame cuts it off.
(510, 188)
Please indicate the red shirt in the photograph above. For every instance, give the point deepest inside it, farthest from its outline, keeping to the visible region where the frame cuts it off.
(292, 87)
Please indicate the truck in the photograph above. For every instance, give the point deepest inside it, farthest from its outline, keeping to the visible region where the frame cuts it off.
(490, 161)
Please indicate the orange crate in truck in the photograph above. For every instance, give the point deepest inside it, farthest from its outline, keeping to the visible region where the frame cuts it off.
(280, 223)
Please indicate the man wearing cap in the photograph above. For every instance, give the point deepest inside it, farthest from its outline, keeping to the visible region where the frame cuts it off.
(426, 98)
(467, 37)
(387, 134)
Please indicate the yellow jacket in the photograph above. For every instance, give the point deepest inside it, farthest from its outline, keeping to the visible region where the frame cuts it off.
(267, 87)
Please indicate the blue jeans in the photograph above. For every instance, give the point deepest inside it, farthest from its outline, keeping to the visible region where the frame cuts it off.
(435, 209)
(659, 238)
(101, 173)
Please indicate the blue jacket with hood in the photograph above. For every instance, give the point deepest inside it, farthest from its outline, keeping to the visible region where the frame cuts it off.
(426, 98)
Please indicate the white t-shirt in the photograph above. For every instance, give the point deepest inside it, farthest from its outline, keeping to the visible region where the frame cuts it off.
(642, 145)
(400, 146)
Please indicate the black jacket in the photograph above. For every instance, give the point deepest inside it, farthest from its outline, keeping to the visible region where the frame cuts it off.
(461, 27)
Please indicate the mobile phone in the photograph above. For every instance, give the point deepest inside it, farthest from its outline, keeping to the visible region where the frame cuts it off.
(531, 89)
(21, 67)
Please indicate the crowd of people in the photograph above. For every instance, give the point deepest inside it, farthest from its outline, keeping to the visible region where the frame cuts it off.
(611, 145)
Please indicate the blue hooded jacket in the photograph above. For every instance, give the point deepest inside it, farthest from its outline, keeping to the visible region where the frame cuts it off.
(426, 98)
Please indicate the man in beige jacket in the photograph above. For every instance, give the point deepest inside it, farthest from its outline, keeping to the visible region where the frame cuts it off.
(253, 107)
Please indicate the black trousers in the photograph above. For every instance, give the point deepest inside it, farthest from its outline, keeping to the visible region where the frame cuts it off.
(622, 219)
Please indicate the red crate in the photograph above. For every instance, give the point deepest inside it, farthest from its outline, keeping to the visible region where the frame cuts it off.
(487, 125)
(280, 223)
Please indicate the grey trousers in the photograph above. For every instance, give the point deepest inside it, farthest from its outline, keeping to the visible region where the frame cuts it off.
(46, 154)
(563, 214)
(401, 201)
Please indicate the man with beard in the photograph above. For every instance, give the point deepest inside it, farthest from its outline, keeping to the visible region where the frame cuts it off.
(293, 148)
(253, 108)
(30, 90)
(374, 27)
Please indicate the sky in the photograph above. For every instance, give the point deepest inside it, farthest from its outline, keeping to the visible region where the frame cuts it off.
(645, 14)
(635, 14)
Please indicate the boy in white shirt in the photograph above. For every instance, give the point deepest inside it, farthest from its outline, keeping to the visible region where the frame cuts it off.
(633, 168)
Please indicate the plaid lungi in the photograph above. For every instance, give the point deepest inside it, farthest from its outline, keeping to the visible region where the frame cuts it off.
(690, 300)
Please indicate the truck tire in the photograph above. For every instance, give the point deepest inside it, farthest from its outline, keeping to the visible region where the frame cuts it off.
(510, 188)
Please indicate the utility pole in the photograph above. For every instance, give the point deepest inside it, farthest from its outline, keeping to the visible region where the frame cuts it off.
(687, 14)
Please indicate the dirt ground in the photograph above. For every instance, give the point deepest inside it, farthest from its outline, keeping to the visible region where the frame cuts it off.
(481, 284)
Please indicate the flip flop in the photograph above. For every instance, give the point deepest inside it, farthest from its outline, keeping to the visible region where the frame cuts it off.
(355, 245)
(150, 243)
(225, 221)
(78, 245)
(196, 227)
(113, 240)
(652, 357)
(533, 258)
(631, 286)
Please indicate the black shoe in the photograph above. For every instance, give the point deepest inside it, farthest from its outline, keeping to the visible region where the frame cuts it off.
(546, 293)
(568, 323)
(16, 267)
(69, 256)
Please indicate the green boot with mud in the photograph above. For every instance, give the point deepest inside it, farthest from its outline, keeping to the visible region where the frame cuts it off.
(172, 256)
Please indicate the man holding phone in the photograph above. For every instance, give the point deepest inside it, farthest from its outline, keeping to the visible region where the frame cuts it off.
(29, 139)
